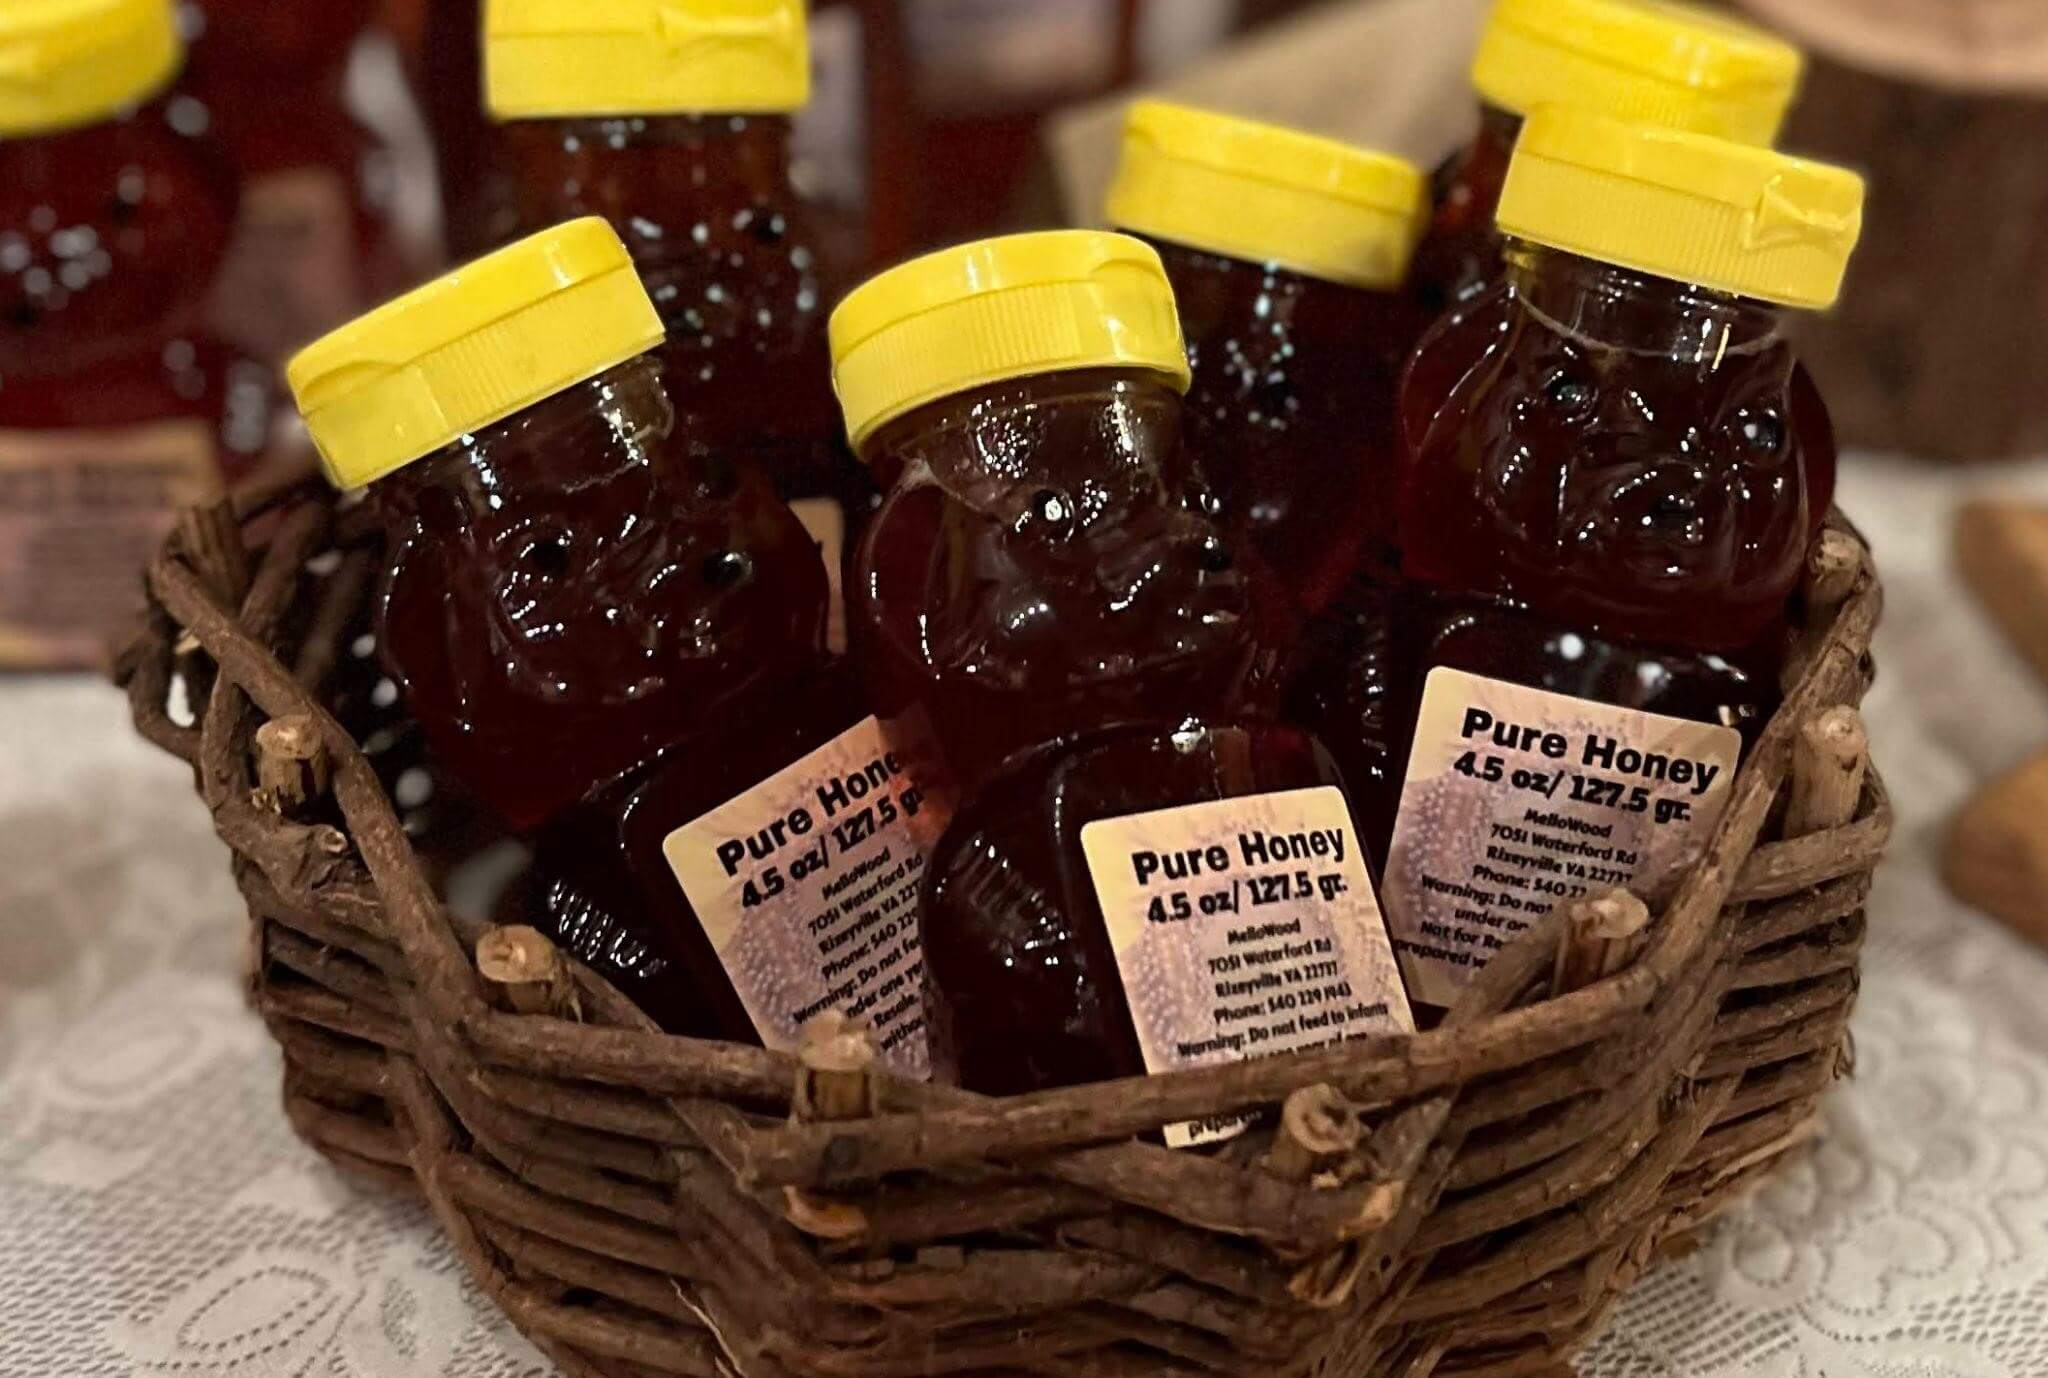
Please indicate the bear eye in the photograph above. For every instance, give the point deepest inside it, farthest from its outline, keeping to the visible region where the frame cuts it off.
(1760, 433)
(1568, 393)
(728, 569)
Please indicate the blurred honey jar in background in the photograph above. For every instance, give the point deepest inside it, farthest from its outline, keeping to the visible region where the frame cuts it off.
(1603, 525)
(1646, 61)
(115, 402)
(616, 642)
(673, 121)
(315, 242)
(1287, 254)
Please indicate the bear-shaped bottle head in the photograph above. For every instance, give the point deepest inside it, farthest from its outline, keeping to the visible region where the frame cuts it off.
(577, 566)
(1650, 470)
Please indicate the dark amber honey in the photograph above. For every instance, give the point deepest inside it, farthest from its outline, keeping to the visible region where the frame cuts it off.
(1044, 566)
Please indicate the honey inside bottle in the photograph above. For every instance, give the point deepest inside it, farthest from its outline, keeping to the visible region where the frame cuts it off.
(1645, 61)
(1044, 562)
(117, 406)
(1286, 253)
(614, 639)
(1604, 522)
(673, 122)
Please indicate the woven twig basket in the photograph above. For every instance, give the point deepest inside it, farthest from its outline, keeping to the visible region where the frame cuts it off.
(1468, 1200)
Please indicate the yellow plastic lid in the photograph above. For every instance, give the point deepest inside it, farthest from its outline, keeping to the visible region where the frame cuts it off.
(1269, 195)
(65, 63)
(564, 58)
(1013, 307)
(1694, 209)
(471, 348)
(1651, 61)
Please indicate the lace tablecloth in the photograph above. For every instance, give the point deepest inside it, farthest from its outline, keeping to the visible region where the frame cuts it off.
(157, 1217)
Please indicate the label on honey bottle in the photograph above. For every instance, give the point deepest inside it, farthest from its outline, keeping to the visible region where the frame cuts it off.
(1517, 800)
(81, 512)
(1243, 927)
(807, 888)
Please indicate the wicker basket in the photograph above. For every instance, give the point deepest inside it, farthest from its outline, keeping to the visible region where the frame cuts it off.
(1468, 1200)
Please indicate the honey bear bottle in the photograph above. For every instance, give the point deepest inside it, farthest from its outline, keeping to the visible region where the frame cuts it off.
(672, 120)
(616, 641)
(1606, 516)
(315, 242)
(1645, 61)
(1042, 564)
(114, 403)
(1286, 253)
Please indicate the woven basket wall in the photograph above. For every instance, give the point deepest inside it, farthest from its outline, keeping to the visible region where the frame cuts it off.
(1468, 1200)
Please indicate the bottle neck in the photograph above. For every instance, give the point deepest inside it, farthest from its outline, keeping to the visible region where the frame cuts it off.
(1617, 308)
(706, 160)
(582, 434)
(989, 445)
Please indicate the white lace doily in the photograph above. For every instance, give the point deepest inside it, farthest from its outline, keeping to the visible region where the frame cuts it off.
(157, 1217)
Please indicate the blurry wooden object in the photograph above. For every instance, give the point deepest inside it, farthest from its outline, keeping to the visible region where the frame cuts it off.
(1996, 857)
(1997, 852)
(1390, 74)
(2002, 555)
(1937, 348)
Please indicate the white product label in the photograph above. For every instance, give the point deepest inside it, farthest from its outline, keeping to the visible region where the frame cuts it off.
(807, 888)
(81, 513)
(1517, 800)
(1243, 927)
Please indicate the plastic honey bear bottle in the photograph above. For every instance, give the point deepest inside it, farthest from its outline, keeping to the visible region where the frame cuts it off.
(1645, 61)
(115, 405)
(1042, 564)
(1044, 586)
(1287, 253)
(672, 120)
(618, 646)
(1606, 516)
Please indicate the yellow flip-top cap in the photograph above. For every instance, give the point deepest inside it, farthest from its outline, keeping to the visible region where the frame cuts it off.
(1270, 195)
(1695, 209)
(1650, 61)
(562, 58)
(471, 348)
(65, 63)
(1013, 307)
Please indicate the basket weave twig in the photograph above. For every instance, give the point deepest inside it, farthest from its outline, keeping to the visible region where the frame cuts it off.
(1473, 1199)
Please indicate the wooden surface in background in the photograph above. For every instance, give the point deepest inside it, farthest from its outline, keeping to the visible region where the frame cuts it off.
(1996, 856)
(1938, 347)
